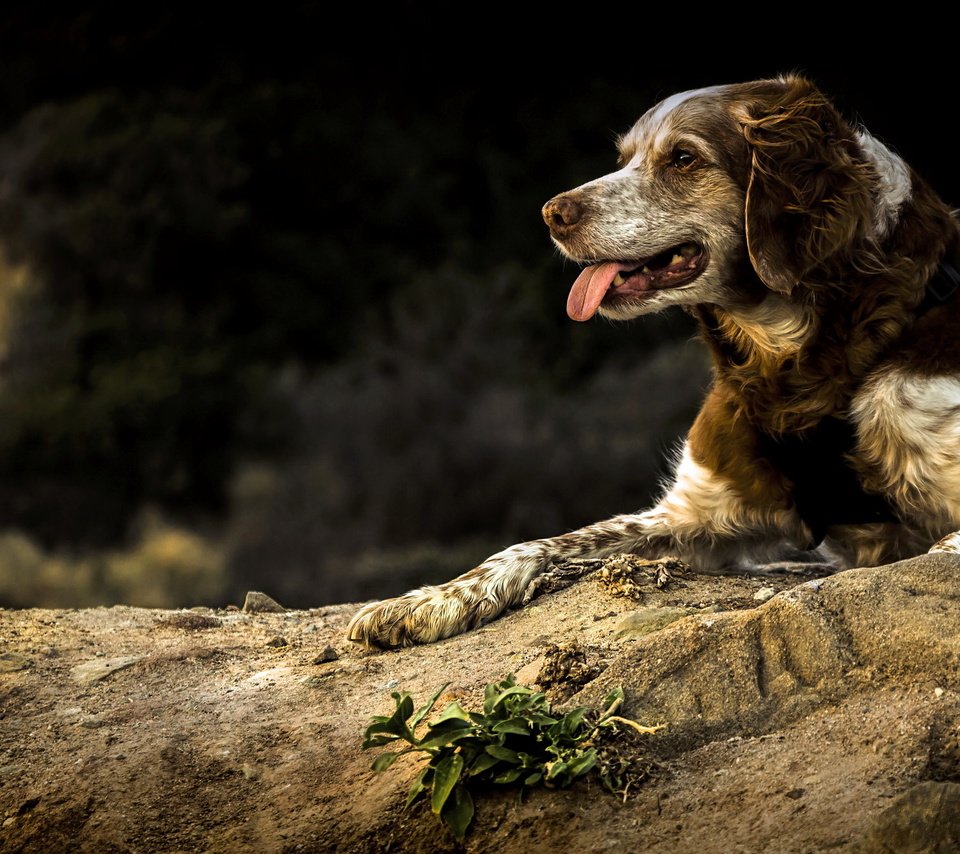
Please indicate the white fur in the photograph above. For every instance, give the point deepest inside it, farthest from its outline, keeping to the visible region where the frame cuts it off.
(908, 429)
(656, 118)
(950, 544)
(698, 502)
(895, 185)
(777, 324)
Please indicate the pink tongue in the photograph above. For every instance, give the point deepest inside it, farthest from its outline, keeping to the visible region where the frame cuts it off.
(589, 290)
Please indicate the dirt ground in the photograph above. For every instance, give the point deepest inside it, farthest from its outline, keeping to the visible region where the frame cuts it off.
(824, 719)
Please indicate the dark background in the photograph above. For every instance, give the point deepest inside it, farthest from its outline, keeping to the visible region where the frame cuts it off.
(277, 308)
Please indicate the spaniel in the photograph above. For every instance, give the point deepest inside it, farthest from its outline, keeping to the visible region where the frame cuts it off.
(823, 273)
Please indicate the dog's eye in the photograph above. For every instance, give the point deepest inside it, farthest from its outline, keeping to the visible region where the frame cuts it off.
(682, 159)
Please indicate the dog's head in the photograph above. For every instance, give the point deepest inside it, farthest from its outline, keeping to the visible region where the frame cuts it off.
(725, 194)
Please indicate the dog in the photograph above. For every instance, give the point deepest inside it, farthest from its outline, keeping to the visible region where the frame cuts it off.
(823, 273)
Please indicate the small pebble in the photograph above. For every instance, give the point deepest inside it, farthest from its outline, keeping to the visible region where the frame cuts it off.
(813, 585)
(259, 603)
(190, 621)
(8, 821)
(938, 692)
(764, 594)
(328, 654)
(386, 686)
(277, 641)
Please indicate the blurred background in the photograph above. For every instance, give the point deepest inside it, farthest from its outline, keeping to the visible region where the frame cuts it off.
(278, 311)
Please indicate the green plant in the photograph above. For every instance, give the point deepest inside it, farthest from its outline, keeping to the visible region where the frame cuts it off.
(517, 739)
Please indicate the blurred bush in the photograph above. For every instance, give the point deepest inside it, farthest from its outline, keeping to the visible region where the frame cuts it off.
(442, 441)
(319, 344)
(164, 567)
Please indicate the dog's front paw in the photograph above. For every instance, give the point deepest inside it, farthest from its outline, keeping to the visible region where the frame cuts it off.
(432, 613)
(421, 616)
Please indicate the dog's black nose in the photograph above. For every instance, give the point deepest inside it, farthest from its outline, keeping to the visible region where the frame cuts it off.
(561, 214)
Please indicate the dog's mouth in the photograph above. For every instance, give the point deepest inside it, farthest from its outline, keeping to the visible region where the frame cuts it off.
(610, 282)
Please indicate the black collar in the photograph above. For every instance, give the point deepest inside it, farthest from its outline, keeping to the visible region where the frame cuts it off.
(942, 286)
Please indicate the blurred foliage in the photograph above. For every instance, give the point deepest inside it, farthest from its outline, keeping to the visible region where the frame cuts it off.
(163, 567)
(304, 306)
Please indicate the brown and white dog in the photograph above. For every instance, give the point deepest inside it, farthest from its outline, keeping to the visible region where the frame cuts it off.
(823, 272)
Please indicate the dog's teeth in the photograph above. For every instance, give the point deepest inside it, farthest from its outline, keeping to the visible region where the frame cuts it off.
(618, 280)
(646, 269)
(676, 259)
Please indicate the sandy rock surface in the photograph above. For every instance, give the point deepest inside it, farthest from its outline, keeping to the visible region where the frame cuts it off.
(824, 718)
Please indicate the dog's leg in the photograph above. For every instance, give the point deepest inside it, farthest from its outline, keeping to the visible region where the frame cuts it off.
(949, 544)
(700, 519)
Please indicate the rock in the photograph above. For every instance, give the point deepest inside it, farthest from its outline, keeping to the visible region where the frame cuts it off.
(327, 654)
(648, 620)
(764, 594)
(923, 820)
(829, 691)
(259, 603)
(277, 641)
(190, 621)
(13, 661)
(91, 672)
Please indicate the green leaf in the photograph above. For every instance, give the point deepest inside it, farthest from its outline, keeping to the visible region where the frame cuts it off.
(446, 775)
(533, 779)
(510, 776)
(458, 811)
(555, 769)
(446, 735)
(510, 692)
(582, 763)
(424, 710)
(395, 725)
(503, 753)
(384, 761)
(516, 726)
(573, 721)
(492, 692)
(452, 711)
(484, 762)
(377, 740)
(404, 705)
(417, 789)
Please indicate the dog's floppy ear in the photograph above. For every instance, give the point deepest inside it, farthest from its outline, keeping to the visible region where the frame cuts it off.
(808, 196)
